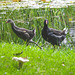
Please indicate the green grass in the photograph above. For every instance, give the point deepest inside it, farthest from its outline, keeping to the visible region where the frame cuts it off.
(40, 62)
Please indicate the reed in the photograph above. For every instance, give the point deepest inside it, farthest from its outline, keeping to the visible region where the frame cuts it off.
(33, 18)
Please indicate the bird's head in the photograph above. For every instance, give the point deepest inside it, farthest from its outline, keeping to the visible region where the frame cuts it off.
(46, 22)
(9, 21)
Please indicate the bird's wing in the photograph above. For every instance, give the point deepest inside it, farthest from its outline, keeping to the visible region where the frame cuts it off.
(52, 35)
(21, 29)
(24, 34)
(54, 31)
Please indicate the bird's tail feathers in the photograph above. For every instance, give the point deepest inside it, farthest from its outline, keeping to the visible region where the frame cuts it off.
(34, 31)
(66, 30)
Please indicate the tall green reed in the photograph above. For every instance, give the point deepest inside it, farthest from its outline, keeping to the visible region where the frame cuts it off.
(33, 18)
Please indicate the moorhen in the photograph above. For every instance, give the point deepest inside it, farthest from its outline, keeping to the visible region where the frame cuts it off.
(53, 36)
(23, 33)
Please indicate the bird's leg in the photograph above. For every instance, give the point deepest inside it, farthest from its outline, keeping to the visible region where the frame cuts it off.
(27, 43)
(59, 47)
(39, 39)
(31, 41)
(54, 48)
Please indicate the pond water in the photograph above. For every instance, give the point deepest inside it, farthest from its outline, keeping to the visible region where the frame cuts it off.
(31, 10)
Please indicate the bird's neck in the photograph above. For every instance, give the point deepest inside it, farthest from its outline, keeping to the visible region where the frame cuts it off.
(12, 24)
(45, 26)
(14, 27)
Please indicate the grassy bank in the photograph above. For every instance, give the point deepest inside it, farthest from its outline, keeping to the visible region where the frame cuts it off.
(40, 62)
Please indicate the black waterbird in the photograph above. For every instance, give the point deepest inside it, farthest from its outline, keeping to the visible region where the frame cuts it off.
(23, 33)
(53, 36)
